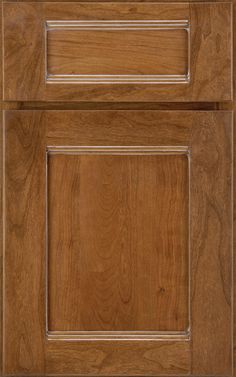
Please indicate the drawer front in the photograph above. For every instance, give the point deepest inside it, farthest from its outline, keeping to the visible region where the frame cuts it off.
(117, 51)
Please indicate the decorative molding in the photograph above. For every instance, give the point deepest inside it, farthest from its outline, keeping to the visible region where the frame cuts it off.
(117, 150)
(117, 25)
(119, 335)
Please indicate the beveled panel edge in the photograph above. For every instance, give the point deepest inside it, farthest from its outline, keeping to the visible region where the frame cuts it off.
(119, 335)
(117, 25)
(111, 150)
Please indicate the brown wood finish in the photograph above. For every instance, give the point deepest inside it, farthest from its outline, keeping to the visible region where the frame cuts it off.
(29, 352)
(103, 49)
(208, 135)
(120, 358)
(201, 106)
(133, 1)
(209, 52)
(118, 230)
(207, 258)
(234, 194)
(24, 292)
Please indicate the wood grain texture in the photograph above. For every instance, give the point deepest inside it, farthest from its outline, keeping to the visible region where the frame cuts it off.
(207, 47)
(28, 25)
(24, 272)
(25, 182)
(152, 359)
(118, 242)
(120, 358)
(208, 134)
(199, 106)
(210, 50)
(115, 128)
(211, 165)
(95, 50)
(211, 244)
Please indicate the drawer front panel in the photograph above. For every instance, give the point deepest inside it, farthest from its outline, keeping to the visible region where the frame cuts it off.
(117, 51)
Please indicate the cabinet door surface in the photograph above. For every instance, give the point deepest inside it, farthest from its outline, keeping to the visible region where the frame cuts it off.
(118, 249)
(117, 51)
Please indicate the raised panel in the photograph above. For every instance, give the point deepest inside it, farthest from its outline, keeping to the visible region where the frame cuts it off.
(117, 51)
(118, 241)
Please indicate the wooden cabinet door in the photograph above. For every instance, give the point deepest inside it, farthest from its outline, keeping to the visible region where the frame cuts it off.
(118, 244)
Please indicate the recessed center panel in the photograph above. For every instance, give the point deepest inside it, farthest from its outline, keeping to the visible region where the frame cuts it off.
(118, 242)
(117, 51)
